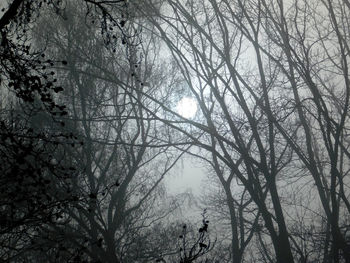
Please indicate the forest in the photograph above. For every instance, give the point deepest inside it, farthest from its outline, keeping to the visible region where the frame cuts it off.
(100, 101)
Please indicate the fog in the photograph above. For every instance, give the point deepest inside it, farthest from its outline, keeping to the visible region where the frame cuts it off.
(174, 131)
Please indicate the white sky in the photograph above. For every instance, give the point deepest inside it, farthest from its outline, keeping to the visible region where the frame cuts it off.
(187, 175)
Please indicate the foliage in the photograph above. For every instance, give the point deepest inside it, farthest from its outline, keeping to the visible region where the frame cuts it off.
(88, 129)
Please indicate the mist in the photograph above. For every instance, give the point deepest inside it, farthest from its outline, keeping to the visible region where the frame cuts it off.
(174, 131)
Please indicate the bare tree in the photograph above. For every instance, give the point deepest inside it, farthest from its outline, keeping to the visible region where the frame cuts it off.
(122, 160)
(271, 80)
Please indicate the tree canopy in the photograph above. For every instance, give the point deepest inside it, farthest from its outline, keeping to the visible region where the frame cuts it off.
(90, 128)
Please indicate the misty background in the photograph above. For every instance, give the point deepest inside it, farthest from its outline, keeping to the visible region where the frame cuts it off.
(174, 131)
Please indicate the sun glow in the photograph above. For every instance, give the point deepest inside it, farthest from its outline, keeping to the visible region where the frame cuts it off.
(187, 107)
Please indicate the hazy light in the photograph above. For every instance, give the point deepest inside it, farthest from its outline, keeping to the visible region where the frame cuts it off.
(187, 107)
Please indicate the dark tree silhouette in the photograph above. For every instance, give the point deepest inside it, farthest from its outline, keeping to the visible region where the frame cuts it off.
(119, 168)
(271, 80)
(193, 245)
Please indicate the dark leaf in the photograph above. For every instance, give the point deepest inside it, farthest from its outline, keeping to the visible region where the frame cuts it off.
(93, 195)
(202, 245)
